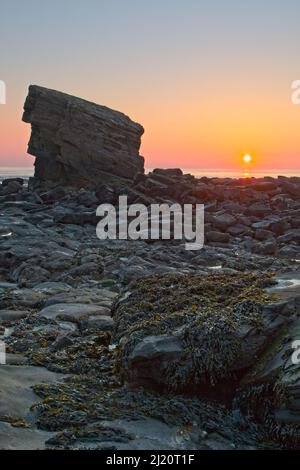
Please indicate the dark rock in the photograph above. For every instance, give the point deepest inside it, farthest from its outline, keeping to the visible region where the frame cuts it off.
(275, 224)
(11, 187)
(30, 274)
(73, 312)
(53, 195)
(148, 360)
(262, 234)
(12, 315)
(268, 247)
(224, 221)
(75, 218)
(62, 342)
(199, 348)
(289, 251)
(295, 223)
(168, 172)
(271, 389)
(266, 186)
(97, 323)
(105, 194)
(87, 198)
(218, 237)
(291, 236)
(201, 191)
(258, 210)
(77, 142)
(239, 230)
(290, 188)
(7, 181)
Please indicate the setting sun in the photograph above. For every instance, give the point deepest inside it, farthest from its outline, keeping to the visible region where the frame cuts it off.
(247, 158)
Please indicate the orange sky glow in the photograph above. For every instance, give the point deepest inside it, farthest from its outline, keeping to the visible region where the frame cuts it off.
(205, 92)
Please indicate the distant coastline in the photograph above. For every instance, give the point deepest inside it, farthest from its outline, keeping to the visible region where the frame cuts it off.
(26, 172)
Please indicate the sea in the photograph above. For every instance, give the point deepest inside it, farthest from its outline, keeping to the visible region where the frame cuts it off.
(26, 172)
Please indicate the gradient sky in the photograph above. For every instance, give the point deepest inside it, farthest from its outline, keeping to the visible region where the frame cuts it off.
(209, 80)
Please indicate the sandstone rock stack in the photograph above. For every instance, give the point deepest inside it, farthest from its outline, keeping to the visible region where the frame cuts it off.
(80, 143)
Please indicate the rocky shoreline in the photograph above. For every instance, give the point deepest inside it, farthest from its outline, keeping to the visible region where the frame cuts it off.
(142, 344)
(105, 318)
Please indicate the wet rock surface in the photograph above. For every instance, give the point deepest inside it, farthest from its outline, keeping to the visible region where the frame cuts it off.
(94, 320)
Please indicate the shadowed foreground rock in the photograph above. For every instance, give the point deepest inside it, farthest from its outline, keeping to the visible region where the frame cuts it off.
(75, 141)
(219, 336)
(205, 330)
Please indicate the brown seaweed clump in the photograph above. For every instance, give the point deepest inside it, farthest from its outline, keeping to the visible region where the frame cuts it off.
(209, 315)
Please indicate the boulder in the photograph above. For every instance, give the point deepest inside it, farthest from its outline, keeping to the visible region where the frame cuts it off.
(7, 181)
(149, 359)
(217, 237)
(205, 335)
(262, 234)
(105, 194)
(290, 188)
(73, 312)
(168, 171)
(239, 230)
(96, 323)
(268, 247)
(79, 143)
(289, 251)
(264, 186)
(12, 315)
(11, 187)
(290, 236)
(224, 221)
(258, 210)
(271, 389)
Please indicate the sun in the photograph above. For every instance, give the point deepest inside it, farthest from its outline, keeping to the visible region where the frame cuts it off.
(247, 158)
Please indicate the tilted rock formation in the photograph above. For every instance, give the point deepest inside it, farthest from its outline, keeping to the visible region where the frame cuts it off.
(78, 142)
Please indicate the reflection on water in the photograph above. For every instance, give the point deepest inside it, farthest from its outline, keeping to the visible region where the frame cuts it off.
(245, 172)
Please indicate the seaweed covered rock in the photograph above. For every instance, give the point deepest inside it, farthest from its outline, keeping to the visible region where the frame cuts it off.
(80, 143)
(270, 392)
(196, 333)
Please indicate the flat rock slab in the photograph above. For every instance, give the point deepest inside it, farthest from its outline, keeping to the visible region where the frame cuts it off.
(16, 394)
(73, 312)
(12, 438)
(98, 323)
(12, 315)
(7, 285)
(16, 360)
(102, 297)
(25, 298)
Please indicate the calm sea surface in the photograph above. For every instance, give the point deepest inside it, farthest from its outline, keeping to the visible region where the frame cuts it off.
(26, 172)
(11, 172)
